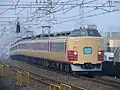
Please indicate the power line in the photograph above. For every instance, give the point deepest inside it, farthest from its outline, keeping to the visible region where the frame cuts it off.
(61, 10)
(13, 17)
(12, 1)
(53, 3)
(53, 10)
(17, 2)
(6, 10)
(86, 16)
(63, 5)
(76, 6)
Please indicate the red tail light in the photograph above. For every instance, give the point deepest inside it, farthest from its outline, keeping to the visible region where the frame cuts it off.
(72, 55)
(101, 55)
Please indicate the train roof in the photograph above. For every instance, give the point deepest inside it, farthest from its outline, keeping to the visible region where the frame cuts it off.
(55, 34)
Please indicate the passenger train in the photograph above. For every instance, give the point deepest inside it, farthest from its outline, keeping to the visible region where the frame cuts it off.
(77, 51)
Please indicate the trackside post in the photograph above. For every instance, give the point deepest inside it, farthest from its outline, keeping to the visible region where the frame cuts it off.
(65, 87)
(54, 87)
(19, 78)
(2, 70)
(27, 79)
(6, 70)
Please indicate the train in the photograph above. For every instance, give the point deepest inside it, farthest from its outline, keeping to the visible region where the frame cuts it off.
(77, 51)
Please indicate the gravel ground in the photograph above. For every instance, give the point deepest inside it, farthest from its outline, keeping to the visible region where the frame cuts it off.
(6, 85)
(89, 85)
(111, 78)
(9, 83)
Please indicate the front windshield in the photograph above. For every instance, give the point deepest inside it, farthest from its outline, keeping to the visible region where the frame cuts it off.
(93, 33)
(88, 32)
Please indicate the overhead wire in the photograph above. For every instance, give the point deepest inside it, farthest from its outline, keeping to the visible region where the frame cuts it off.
(12, 1)
(17, 3)
(16, 6)
(44, 9)
(10, 7)
(86, 16)
(4, 11)
(52, 8)
(60, 10)
(74, 7)
(77, 15)
(38, 10)
(55, 4)
(21, 10)
(7, 8)
(56, 10)
(62, 6)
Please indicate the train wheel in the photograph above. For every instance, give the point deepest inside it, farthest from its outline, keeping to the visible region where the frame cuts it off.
(75, 74)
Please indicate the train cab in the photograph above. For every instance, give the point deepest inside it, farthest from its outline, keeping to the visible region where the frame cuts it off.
(87, 47)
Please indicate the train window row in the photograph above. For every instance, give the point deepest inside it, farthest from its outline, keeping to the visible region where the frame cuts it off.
(57, 47)
(54, 47)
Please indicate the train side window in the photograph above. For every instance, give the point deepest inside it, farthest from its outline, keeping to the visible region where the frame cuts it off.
(61, 47)
(57, 47)
(42, 46)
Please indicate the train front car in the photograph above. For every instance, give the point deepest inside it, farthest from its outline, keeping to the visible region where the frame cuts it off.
(77, 51)
(86, 51)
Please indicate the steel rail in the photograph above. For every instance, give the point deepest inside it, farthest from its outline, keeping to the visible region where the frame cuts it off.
(42, 79)
(95, 79)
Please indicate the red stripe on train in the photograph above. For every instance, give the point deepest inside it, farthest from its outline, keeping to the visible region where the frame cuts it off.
(65, 46)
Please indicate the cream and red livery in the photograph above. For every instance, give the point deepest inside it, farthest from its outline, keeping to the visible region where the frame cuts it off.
(80, 50)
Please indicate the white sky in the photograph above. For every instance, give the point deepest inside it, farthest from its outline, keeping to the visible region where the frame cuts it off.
(106, 22)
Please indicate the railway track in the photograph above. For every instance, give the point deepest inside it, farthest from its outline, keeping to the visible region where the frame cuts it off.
(103, 81)
(42, 79)
(95, 79)
(99, 80)
(47, 80)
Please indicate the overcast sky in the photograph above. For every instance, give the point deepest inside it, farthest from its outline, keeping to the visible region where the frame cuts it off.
(107, 22)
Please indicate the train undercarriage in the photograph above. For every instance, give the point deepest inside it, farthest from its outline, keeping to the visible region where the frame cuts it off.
(63, 67)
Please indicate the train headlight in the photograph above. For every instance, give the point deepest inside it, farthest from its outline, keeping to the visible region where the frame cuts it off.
(99, 53)
(75, 53)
